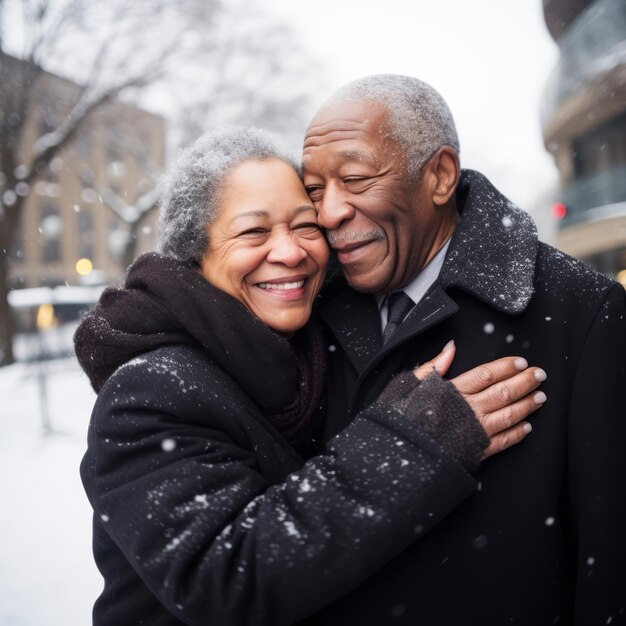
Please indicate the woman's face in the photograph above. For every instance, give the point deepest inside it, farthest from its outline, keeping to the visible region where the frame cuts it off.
(265, 246)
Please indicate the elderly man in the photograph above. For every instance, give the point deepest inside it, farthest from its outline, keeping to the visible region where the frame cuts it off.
(431, 253)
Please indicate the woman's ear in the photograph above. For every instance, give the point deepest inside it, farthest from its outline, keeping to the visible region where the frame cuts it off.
(444, 167)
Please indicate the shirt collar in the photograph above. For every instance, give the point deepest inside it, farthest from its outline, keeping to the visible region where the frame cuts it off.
(419, 285)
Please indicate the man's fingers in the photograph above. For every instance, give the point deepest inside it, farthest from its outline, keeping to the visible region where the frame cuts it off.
(506, 392)
(481, 377)
(504, 419)
(507, 438)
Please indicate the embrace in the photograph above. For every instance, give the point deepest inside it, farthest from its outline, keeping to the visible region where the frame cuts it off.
(264, 448)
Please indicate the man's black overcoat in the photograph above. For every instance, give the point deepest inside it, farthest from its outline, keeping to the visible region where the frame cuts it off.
(543, 541)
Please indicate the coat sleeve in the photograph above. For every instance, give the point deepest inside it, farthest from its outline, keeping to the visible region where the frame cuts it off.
(215, 542)
(597, 467)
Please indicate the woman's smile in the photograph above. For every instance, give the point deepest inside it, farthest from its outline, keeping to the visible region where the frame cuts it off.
(265, 246)
(284, 289)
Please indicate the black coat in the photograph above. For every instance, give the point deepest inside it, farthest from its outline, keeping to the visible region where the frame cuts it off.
(203, 512)
(543, 540)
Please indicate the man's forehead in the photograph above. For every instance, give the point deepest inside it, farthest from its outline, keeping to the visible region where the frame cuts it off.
(339, 120)
(342, 156)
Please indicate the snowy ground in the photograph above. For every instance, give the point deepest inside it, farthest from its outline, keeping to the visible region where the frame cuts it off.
(47, 576)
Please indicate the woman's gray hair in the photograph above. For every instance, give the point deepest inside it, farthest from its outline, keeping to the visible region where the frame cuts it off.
(191, 192)
(419, 118)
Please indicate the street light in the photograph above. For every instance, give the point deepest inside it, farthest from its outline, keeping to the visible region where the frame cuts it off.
(84, 266)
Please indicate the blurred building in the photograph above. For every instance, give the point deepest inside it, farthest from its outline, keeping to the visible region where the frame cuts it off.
(584, 127)
(68, 234)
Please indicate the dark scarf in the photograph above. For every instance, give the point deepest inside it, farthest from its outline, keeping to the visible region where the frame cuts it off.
(165, 302)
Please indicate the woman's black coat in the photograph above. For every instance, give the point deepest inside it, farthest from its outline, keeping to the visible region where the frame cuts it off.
(203, 512)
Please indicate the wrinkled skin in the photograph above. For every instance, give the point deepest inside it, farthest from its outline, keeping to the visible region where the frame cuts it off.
(384, 225)
(265, 246)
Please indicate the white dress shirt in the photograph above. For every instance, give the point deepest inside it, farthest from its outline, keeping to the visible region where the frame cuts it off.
(419, 285)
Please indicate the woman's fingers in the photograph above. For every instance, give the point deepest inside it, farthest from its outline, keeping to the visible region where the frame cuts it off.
(504, 436)
(501, 420)
(441, 363)
(483, 376)
(507, 438)
(505, 393)
(502, 394)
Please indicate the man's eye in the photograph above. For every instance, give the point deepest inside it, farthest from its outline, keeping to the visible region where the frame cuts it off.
(315, 193)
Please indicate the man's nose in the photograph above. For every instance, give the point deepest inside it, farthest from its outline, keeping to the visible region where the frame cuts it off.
(286, 249)
(333, 209)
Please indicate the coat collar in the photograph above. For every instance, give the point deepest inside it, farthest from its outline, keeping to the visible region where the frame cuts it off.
(492, 256)
(493, 250)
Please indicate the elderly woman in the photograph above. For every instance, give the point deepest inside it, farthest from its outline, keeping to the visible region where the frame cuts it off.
(210, 381)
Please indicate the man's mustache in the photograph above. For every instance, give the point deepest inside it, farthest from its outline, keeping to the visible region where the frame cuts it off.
(350, 235)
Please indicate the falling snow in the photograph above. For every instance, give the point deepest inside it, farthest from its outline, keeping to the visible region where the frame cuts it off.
(168, 445)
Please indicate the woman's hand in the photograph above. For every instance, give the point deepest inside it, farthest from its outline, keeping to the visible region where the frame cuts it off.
(501, 394)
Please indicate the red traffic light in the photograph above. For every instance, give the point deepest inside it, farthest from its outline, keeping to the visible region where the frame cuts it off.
(559, 211)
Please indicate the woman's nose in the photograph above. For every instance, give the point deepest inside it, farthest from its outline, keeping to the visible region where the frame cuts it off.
(286, 249)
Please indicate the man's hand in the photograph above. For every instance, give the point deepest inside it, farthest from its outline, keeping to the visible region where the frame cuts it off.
(501, 394)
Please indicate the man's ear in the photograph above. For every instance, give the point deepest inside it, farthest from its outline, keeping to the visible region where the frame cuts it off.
(444, 174)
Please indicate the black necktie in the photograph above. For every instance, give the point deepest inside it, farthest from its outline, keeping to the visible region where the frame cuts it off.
(398, 305)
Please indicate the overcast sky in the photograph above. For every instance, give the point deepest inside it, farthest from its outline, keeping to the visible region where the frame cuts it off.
(490, 59)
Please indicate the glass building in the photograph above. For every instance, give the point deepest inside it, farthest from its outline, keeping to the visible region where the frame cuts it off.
(584, 128)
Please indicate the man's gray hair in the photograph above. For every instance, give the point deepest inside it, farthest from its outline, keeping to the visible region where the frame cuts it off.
(419, 118)
(192, 190)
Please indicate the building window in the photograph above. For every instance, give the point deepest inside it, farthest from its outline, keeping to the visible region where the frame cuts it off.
(18, 249)
(82, 143)
(85, 235)
(609, 262)
(145, 144)
(114, 150)
(602, 149)
(50, 229)
(45, 126)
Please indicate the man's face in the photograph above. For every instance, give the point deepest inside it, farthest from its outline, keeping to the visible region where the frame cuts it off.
(381, 224)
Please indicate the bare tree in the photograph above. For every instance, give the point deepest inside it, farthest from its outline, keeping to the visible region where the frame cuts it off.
(218, 63)
(258, 76)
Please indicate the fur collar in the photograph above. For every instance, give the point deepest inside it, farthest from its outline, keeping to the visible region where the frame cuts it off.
(493, 251)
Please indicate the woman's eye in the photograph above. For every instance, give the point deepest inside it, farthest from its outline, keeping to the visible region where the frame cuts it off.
(309, 228)
(253, 232)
